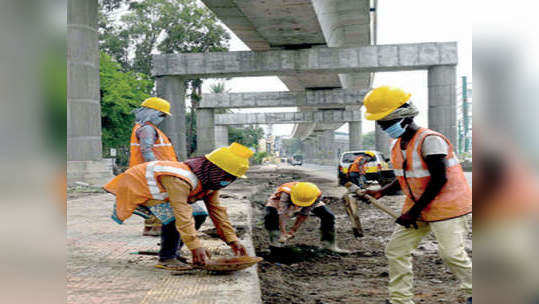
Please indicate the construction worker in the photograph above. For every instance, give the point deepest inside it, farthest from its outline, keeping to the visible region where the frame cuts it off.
(356, 171)
(298, 199)
(149, 143)
(437, 193)
(168, 188)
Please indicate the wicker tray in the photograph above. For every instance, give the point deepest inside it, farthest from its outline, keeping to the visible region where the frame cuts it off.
(228, 264)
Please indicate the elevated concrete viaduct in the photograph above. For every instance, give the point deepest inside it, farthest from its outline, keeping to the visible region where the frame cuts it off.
(438, 58)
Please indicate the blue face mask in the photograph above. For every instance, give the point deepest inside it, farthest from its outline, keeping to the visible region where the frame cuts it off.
(396, 130)
(224, 183)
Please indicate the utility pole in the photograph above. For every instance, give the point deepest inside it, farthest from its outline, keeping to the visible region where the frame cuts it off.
(465, 115)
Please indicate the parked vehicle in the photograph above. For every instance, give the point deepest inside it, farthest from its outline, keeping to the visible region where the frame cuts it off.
(297, 160)
(377, 167)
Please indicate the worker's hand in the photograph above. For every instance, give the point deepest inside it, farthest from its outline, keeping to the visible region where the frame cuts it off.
(374, 193)
(238, 248)
(407, 220)
(201, 256)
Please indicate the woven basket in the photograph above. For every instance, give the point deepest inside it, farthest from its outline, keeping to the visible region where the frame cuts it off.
(227, 264)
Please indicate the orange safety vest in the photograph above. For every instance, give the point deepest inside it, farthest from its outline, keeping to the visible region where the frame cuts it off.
(356, 166)
(162, 149)
(455, 197)
(142, 183)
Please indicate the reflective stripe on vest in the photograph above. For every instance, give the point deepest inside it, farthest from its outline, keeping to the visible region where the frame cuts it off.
(153, 168)
(455, 197)
(162, 148)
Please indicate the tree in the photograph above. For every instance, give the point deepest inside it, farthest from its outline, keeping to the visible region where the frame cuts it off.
(248, 136)
(171, 26)
(121, 92)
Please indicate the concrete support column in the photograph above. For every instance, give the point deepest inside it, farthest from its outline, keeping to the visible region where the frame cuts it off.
(354, 135)
(221, 136)
(382, 141)
(442, 100)
(327, 148)
(84, 149)
(205, 131)
(172, 88)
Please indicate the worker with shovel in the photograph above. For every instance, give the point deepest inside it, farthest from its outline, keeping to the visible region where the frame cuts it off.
(298, 199)
(149, 143)
(356, 171)
(437, 194)
(168, 188)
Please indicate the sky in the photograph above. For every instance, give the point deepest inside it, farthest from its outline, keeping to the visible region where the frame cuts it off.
(410, 21)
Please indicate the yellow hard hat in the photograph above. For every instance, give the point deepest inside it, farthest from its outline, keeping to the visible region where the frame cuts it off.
(158, 104)
(304, 194)
(383, 100)
(234, 159)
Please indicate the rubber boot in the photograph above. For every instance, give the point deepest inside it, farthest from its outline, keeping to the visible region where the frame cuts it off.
(331, 245)
(274, 236)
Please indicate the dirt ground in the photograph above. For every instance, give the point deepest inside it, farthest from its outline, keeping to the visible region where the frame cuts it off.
(318, 276)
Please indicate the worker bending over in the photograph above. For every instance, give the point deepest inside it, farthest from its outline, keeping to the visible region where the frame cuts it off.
(437, 194)
(149, 143)
(356, 171)
(298, 199)
(168, 188)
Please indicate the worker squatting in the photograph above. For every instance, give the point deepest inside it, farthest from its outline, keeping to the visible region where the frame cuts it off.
(164, 190)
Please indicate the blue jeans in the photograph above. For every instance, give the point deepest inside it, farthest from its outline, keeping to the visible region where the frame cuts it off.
(358, 179)
(170, 238)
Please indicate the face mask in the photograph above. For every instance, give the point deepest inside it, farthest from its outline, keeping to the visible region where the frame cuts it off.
(224, 183)
(157, 120)
(396, 130)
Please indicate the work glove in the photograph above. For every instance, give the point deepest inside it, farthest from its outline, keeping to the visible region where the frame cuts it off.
(238, 248)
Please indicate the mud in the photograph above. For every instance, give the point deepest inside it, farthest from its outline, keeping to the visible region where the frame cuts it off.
(304, 273)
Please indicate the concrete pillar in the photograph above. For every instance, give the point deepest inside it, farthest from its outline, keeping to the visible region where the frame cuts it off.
(354, 135)
(205, 131)
(221, 136)
(382, 141)
(172, 88)
(327, 148)
(443, 101)
(84, 150)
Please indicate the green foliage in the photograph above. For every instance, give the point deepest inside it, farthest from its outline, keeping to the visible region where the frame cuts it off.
(247, 136)
(164, 26)
(121, 92)
(367, 141)
(219, 88)
(259, 156)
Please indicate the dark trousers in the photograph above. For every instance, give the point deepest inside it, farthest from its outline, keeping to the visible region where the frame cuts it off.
(171, 242)
(327, 221)
(358, 179)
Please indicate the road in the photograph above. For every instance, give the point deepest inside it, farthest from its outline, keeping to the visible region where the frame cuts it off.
(331, 171)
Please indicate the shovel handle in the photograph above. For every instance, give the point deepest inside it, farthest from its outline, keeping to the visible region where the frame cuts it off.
(365, 197)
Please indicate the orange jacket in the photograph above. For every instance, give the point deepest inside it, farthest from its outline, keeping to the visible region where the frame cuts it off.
(455, 198)
(142, 183)
(162, 149)
(358, 165)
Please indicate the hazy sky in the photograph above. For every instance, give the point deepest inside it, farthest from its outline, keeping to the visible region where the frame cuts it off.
(399, 21)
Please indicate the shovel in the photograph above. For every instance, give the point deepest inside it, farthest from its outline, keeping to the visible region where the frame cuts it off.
(364, 197)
